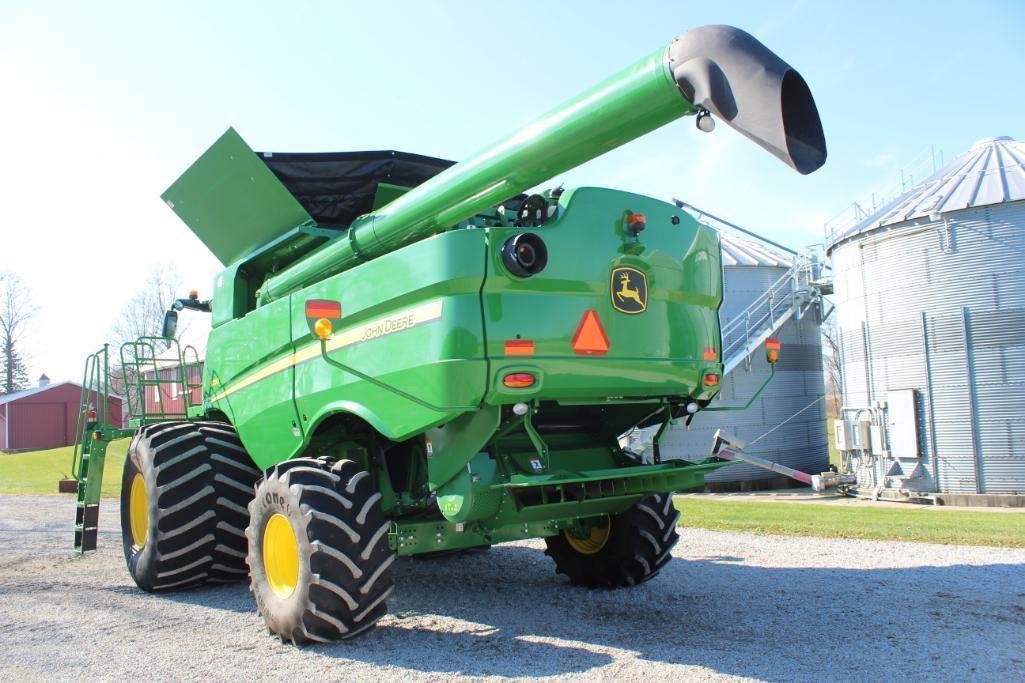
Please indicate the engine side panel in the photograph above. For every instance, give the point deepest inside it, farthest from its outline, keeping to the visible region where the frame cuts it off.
(656, 296)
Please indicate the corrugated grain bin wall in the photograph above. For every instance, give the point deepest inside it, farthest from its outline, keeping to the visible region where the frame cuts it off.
(748, 272)
(929, 297)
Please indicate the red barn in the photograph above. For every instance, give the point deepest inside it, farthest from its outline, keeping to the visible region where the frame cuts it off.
(161, 394)
(167, 397)
(46, 416)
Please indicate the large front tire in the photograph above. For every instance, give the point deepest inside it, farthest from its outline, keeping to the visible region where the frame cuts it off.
(620, 550)
(319, 557)
(184, 493)
(234, 481)
(167, 508)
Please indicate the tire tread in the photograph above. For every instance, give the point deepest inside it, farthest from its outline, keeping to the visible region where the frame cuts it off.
(640, 545)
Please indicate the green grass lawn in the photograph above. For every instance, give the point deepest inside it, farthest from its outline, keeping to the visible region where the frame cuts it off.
(904, 523)
(37, 472)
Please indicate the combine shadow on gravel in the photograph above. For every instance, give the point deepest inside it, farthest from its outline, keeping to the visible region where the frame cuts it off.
(480, 650)
(515, 617)
(231, 597)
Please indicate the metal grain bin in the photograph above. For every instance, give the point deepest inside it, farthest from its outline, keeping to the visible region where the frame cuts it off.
(932, 330)
(749, 270)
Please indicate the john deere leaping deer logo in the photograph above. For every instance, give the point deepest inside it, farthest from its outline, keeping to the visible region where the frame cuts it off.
(629, 289)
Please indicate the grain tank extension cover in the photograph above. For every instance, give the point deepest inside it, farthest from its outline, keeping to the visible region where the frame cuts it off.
(236, 200)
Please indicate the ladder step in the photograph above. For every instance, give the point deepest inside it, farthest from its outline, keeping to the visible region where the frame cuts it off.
(87, 515)
(85, 540)
(87, 519)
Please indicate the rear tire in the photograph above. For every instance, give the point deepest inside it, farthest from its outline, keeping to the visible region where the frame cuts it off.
(182, 490)
(631, 548)
(234, 481)
(319, 557)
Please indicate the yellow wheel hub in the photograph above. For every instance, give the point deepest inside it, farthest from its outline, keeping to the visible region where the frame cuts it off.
(280, 555)
(138, 510)
(597, 539)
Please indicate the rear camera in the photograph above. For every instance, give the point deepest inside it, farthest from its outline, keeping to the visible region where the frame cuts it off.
(524, 254)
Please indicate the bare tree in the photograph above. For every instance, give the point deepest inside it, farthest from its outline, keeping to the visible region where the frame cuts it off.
(831, 360)
(143, 316)
(16, 311)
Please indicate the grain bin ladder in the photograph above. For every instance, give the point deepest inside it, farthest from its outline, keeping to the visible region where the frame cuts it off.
(798, 290)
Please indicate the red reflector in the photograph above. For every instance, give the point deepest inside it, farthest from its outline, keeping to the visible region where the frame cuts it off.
(710, 354)
(519, 380)
(590, 338)
(772, 343)
(323, 309)
(519, 347)
(91, 416)
(711, 379)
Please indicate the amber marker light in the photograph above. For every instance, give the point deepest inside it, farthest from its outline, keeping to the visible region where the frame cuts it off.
(323, 328)
(519, 380)
(519, 347)
(636, 222)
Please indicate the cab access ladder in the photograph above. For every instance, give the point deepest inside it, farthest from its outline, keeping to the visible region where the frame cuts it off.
(173, 376)
(94, 433)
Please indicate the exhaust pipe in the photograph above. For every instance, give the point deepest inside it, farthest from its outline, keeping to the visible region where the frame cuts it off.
(716, 69)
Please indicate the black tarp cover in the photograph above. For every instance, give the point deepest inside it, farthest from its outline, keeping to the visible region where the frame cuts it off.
(335, 188)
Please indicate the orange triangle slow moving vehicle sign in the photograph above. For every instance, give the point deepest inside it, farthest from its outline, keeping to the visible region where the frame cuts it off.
(590, 338)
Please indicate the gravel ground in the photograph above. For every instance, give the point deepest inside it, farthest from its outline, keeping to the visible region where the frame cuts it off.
(731, 606)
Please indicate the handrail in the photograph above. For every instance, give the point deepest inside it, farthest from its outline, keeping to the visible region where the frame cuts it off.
(95, 387)
(701, 213)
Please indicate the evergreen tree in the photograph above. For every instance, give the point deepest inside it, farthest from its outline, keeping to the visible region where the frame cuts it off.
(16, 310)
(13, 373)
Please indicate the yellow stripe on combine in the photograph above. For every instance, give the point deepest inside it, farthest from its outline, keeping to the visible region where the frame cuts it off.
(381, 327)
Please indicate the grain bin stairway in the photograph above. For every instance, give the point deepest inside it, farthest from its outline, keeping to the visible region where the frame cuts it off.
(799, 290)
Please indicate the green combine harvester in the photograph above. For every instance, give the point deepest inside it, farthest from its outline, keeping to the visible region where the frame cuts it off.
(410, 356)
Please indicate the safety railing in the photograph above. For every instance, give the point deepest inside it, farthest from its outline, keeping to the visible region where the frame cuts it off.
(161, 379)
(93, 404)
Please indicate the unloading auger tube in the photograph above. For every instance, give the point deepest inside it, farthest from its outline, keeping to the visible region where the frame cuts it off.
(716, 69)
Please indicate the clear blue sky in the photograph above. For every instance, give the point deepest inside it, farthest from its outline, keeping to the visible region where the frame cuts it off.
(103, 104)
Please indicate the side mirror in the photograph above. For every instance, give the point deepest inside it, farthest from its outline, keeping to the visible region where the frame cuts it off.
(170, 325)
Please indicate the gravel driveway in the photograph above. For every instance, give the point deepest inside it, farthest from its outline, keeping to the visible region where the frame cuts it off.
(732, 605)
